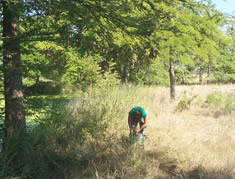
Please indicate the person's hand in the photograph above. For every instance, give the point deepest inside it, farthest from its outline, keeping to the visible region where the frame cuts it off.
(131, 131)
(137, 131)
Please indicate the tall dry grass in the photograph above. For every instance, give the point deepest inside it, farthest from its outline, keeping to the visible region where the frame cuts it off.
(200, 140)
(196, 142)
(88, 137)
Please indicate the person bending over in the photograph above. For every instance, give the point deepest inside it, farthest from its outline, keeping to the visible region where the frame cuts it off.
(137, 115)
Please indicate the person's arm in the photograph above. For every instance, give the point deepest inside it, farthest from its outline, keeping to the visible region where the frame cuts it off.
(143, 126)
(129, 123)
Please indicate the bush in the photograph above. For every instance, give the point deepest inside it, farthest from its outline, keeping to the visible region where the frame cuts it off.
(83, 134)
(154, 74)
(223, 78)
(185, 103)
(43, 88)
(225, 101)
(80, 72)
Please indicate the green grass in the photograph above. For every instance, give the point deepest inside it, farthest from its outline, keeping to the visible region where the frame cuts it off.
(225, 101)
(36, 109)
(86, 136)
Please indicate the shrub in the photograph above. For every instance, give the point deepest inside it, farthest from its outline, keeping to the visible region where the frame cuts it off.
(43, 88)
(185, 102)
(80, 72)
(225, 101)
(154, 74)
(216, 98)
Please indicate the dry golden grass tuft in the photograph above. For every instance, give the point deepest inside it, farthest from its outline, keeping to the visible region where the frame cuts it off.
(195, 142)
(200, 140)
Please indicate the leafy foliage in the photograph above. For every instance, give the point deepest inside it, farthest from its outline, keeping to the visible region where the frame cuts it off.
(185, 103)
(225, 101)
(80, 72)
(94, 46)
(153, 74)
(60, 38)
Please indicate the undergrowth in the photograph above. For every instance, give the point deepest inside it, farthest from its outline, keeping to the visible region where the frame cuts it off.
(74, 135)
(87, 137)
(225, 101)
(185, 102)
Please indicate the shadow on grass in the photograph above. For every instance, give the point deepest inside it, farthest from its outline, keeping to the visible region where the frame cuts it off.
(43, 103)
(200, 172)
(153, 163)
(137, 162)
(112, 158)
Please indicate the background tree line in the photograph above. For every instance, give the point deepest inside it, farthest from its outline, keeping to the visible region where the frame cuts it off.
(49, 47)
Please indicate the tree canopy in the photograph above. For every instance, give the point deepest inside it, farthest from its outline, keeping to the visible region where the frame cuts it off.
(56, 46)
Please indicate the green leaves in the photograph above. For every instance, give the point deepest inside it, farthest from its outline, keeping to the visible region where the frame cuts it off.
(60, 38)
(80, 72)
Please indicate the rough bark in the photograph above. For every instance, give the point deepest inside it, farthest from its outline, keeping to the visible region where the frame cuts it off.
(15, 123)
(200, 75)
(208, 73)
(172, 79)
(127, 73)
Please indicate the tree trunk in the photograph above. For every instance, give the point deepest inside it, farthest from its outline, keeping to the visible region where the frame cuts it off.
(172, 78)
(200, 75)
(15, 124)
(127, 73)
(208, 73)
(105, 65)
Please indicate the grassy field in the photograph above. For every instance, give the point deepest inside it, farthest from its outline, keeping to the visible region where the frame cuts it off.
(192, 137)
(87, 136)
(197, 141)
